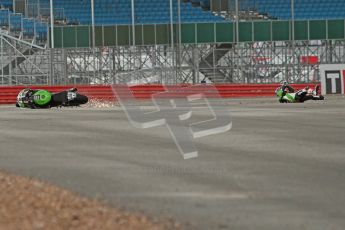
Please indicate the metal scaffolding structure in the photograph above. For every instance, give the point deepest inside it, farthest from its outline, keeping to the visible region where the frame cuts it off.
(250, 62)
(22, 62)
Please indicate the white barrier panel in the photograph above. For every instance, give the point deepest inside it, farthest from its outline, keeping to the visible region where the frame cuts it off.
(332, 78)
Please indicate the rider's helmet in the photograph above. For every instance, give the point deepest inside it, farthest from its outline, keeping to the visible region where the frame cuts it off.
(279, 91)
(23, 97)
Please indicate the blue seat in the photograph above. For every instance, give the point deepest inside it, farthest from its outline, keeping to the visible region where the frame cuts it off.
(4, 17)
(6, 3)
(28, 27)
(304, 9)
(120, 11)
(15, 22)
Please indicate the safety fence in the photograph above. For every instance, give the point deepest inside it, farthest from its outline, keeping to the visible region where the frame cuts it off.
(8, 94)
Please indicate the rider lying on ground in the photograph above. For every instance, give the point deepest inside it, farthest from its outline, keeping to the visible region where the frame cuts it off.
(287, 94)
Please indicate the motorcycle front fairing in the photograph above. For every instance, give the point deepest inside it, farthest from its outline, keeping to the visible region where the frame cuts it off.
(34, 99)
(285, 97)
(289, 98)
(25, 98)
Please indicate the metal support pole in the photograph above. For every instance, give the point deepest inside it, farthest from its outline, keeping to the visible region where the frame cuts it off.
(52, 44)
(51, 77)
(26, 12)
(133, 66)
(293, 37)
(195, 69)
(196, 58)
(10, 67)
(93, 36)
(171, 24)
(237, 34)
(52, 25)
(179, 36)
(228, 13)
(93, 24)
(35, 30)
(113, 65)
(133, 21)
(39, 9)
(179, 21)
(172, 36)
(214, 47)
(64, 61)
(2, 58)
(237, 21)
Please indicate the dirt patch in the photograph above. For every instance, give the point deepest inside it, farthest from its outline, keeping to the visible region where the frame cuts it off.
(31, 204)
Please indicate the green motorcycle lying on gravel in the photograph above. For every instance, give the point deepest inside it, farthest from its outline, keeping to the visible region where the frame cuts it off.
(287, 94)
(43, 99)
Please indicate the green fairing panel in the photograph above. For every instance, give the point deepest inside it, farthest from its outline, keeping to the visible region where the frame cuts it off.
(290, 97)
(42, 97)
(279, 92)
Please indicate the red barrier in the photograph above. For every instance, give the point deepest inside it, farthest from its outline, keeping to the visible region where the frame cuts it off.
(104, 92)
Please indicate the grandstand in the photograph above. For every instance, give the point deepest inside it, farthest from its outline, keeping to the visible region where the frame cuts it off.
(203, 41)
(107, 12)
(6, 4)
(304, 9)
(16, 23)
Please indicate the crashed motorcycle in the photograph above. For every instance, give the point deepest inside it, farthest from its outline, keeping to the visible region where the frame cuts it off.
(287, 94)
(43, 99)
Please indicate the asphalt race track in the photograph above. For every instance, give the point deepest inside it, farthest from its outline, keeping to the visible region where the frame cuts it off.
(281, 166)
